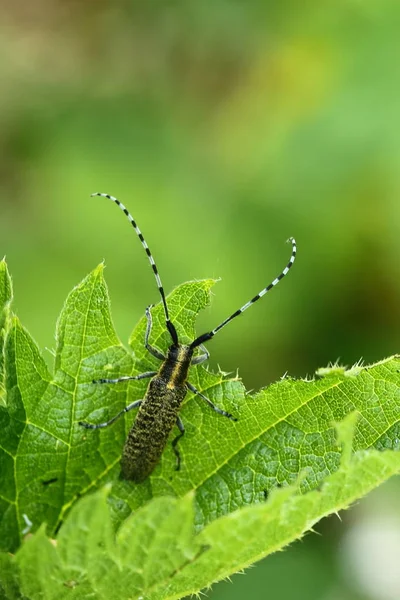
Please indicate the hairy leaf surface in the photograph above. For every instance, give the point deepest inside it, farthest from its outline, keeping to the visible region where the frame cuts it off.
(244, 490)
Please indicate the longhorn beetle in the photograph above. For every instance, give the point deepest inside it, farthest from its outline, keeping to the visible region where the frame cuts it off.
(158, 411)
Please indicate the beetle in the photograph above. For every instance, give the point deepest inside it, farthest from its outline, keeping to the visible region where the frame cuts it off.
(159, 409)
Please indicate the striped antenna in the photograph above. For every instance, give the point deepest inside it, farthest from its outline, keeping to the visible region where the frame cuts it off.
(170, 325)
(207, 336)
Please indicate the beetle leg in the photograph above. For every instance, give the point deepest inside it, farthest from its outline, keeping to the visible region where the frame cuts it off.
(135, 404)
(127, 378)
(197, 360)
(176, 440)
(218, 410)
(153, 351)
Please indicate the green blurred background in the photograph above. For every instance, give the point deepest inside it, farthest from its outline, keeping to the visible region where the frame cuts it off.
(225, 127)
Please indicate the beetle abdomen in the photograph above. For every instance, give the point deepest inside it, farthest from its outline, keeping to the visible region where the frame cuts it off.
(150, 431)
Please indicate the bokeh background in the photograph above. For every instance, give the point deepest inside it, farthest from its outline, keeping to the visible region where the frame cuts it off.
(225, 127)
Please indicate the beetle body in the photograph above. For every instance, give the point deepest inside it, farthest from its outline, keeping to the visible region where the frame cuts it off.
(157, 415)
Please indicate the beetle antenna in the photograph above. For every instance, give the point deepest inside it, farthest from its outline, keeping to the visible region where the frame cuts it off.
(169, 324)
(208, 336)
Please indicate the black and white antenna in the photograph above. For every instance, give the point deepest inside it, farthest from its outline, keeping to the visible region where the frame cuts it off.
(169, 324)
(207, 336)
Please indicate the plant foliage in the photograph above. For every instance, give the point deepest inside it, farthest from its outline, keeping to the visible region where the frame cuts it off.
(299, 451)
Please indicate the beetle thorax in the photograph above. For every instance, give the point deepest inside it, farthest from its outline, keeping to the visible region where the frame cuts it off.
(174, 369)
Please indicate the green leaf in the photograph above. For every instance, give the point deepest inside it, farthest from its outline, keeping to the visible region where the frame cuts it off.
(245, 489)
(247, 535)
(39, 567)
(5, 301)
(156, 553)
(44, 453)
(283, 430)
(9, 582)
(47, 460)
